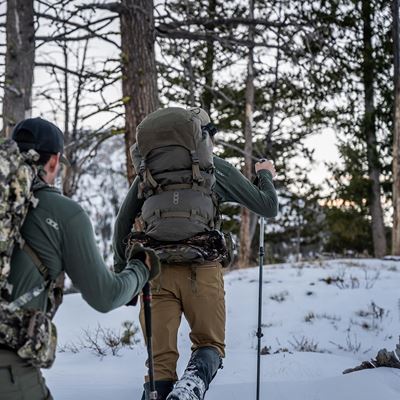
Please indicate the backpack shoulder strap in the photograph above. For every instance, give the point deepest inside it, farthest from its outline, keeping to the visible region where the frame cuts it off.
(36, 291)
(36, 260)
(53, 287)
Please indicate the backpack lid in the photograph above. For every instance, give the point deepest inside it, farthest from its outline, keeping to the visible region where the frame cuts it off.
(172, 126)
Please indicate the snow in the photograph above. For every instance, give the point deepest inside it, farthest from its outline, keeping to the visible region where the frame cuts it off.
(344, 323)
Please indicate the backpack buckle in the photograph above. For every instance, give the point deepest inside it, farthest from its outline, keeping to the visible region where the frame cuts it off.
(197, 177)
(142, 168)
(194, 156)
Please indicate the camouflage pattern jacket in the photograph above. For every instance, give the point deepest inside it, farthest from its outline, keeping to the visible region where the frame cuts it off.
(231, 186)
(62, 236)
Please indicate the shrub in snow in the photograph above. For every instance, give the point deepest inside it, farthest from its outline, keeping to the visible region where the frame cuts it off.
(104, 341)
(305, 345)
(280, 297)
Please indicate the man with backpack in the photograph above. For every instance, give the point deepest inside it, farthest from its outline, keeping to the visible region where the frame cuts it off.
(42, 235)
(174, 207)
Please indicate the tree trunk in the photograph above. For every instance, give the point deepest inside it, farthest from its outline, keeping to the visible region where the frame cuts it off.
(208, 96)
(20, 59)
(68, 175)
(139, 80)
(396, 133)
(369, 131)
(245, 236)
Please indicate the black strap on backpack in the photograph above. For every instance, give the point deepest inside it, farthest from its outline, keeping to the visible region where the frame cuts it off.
(54, 288)
(44, 271)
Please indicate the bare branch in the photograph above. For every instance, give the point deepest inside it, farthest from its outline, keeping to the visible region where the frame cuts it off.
(216, 92)
(70, 71)
(234, 147)
(66, 37)
(184, 34)
(65, 21)
(213, 23)
(107, 107)
(115, 7)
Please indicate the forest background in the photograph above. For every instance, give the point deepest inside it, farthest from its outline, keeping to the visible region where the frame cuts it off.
(274, 76)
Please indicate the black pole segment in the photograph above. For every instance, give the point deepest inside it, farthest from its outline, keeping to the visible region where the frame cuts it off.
(259, 327)
(147, 318)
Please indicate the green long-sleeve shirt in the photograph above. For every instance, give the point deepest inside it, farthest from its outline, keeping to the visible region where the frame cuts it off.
(60, 233)
(231, 186)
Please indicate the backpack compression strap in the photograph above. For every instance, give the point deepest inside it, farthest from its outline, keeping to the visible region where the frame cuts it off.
(150, 185)
(36, 291)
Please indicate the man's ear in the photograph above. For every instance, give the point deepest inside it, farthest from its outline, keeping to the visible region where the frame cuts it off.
(53, 162)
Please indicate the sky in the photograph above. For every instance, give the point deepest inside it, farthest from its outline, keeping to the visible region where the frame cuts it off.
(325, 146)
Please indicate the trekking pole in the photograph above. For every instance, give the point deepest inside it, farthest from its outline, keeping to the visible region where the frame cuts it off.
(147, 318)
(260, 283)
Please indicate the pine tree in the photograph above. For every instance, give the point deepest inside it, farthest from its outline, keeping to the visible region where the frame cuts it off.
(139, 81)
(355, 74)
(20, 58)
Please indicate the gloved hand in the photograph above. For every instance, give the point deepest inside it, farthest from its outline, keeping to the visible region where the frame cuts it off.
(265, 164)
(133, 302)
(148, 257)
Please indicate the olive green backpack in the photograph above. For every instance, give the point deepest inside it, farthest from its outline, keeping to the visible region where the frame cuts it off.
(173, 157)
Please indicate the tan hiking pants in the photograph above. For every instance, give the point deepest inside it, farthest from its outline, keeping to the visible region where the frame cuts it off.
(197, 291)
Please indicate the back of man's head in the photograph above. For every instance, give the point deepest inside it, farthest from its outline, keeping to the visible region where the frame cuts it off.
(40, 135)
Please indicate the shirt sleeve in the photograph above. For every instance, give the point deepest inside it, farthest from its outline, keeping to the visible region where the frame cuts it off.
(102, 289)
(233, 186)
(129, 210)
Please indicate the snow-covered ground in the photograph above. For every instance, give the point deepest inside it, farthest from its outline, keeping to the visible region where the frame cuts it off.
(319, 318)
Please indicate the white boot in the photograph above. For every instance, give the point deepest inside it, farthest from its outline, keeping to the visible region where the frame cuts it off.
(189, 387)
(202, 367)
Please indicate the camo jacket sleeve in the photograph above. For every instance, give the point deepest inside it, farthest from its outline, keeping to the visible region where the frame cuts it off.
(233, 186)
(128, 211)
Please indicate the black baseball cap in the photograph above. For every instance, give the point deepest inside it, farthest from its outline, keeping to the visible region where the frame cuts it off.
(40, 135)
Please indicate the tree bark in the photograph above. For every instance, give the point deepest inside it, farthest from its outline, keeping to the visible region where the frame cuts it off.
(245, 236)
(369, 132)
(396, 133)
(139, 81)
(20, 60)
(208, 96)
(68, 176)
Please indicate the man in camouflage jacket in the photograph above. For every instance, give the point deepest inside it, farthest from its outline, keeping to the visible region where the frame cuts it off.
(61, 235)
